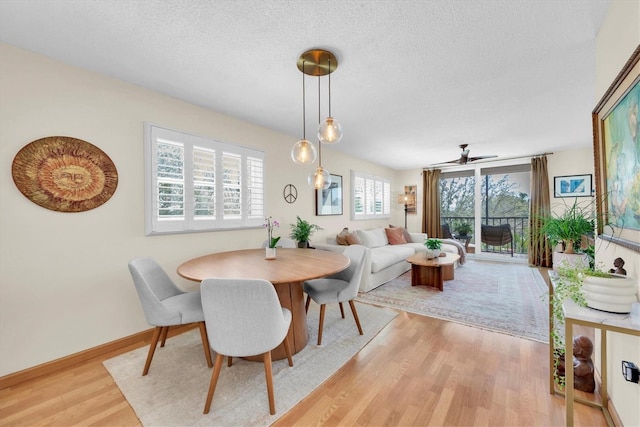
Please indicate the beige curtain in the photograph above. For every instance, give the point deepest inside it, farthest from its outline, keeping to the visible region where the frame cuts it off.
(431, 203)
(539, 250)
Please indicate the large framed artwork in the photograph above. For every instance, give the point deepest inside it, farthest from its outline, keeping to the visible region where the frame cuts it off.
(616, 147)
(329, 201)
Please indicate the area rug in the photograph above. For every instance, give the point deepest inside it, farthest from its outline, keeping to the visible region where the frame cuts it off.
(507, 298)
(174, 391)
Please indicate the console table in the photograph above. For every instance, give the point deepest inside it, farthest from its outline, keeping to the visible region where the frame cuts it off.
(605, 322)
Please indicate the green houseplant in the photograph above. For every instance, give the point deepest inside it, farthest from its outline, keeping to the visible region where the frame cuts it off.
(434, 246)
(569, 227)
(302, 230)
(463, 228)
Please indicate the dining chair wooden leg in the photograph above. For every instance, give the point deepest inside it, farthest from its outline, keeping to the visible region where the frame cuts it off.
(341, 310)
(152, 349)
(355, 315)
(287, 349)
(214, 380)
(268, 375)
(205, 343)
(229, 361)
(322, 307)
(306, 306)
(163, 337)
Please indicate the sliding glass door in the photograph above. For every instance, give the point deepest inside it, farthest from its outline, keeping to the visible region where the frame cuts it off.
(492, 203)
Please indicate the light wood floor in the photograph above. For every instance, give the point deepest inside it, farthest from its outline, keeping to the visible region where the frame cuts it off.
(418, 371)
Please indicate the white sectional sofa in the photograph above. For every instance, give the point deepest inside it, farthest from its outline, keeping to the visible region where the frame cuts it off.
(384, 261)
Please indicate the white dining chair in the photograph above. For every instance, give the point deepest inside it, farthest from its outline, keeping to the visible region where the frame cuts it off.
(282, 243)
(165, 305)
(338, 288)
(244, 318)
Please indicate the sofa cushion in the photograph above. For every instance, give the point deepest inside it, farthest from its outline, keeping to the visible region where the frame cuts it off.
(353, 239)
(341, 238)
(395, 236)
(383, 257)
(405, 232)
(373, 238)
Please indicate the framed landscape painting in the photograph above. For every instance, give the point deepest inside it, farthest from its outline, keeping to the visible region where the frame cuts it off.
(329, 201)
(616, 131)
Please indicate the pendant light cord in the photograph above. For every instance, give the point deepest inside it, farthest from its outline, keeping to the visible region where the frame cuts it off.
(304, 103)
(319, 142)
(329, 87)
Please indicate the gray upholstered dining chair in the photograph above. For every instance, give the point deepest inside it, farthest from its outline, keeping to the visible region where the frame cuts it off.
(282, 243)
(338, 288)
(165, 305)
(244, 318)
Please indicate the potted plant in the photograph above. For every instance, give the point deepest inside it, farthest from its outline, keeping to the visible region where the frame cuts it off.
(463, 228)
(587, 287)
(434, 247)
(302, 230)
(569, 229)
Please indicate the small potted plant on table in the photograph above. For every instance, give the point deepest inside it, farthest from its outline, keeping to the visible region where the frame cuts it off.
(434, 247)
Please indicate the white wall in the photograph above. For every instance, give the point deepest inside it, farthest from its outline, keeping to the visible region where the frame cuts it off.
(64, 282)
(618, 38)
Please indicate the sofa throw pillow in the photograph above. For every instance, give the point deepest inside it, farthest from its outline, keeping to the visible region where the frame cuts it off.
(341, 238)
(373, 238)
(395, 236)
(405, 233)
(353, 239)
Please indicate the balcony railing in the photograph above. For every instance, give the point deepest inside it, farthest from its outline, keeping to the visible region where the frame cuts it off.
(519, 229)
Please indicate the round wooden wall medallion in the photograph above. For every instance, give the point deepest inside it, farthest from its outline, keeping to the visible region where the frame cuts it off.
(64, 174)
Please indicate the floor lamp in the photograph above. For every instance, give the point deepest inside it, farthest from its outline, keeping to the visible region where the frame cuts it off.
(406, 199)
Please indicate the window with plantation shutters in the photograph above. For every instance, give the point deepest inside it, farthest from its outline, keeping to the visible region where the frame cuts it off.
(371, 196)
(198, 184)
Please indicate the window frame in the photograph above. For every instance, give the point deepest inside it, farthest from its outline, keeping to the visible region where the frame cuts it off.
(376, 197)
(252, 179)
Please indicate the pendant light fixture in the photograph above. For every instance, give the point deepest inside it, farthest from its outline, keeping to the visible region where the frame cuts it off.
(321, 179)
(330, 130)
(303, 151)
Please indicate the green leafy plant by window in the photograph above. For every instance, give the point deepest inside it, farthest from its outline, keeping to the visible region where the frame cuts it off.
(569, 227)
(462, 228)
(302, 230)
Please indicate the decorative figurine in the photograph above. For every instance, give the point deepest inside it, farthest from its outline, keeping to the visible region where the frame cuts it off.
(618, 263)
(582, 365)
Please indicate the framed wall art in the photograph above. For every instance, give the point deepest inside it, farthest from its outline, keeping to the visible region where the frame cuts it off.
(572, 186)
(329, 201)
(616, 140)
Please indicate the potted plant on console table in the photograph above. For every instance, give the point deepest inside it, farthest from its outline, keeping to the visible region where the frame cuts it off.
(302, 230)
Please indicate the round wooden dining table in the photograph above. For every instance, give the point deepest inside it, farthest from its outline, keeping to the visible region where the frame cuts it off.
(287, 273)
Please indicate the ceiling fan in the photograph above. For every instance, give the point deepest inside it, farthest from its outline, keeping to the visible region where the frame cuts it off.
(464, 157)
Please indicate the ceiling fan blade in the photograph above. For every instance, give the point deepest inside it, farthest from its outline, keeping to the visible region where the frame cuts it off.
(473, 159)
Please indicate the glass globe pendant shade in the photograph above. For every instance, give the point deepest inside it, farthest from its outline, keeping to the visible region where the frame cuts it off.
(330, 131)
(320, 179)
(303, 152)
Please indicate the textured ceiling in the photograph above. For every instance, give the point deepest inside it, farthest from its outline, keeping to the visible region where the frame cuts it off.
(415, 78)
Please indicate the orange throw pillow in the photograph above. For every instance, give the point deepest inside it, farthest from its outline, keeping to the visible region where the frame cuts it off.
(405, 232)
(395, 236)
